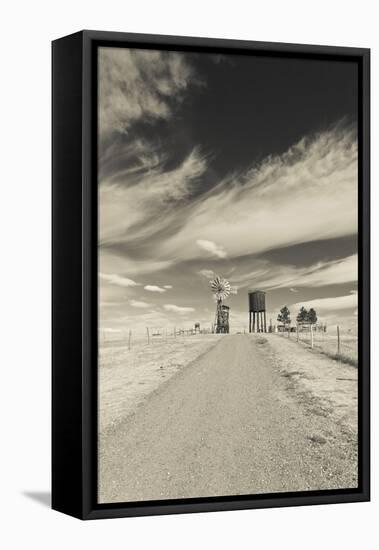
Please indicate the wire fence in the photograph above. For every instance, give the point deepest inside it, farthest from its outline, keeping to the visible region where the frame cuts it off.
(150, 335)
(336, 342)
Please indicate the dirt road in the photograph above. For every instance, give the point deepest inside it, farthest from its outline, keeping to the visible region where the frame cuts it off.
(229, 423)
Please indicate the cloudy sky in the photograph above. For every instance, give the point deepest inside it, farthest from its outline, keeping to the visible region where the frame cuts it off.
(236, 165)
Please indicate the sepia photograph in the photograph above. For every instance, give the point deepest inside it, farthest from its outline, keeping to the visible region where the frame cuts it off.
(228, 292)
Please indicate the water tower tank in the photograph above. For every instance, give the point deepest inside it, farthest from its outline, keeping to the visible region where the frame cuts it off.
(257, 301)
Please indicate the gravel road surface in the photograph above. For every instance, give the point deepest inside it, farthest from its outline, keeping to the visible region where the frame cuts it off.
(227, 424)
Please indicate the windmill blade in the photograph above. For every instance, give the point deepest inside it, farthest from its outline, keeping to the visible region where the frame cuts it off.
(220, 287)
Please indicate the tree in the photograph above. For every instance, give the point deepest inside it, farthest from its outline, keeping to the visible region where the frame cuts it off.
(312, 317)
(284, 316)
(302, 316)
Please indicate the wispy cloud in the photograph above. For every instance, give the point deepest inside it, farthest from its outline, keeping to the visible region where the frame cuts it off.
(119, 262)
(177, 214)
(278, 203)
(140, 225)
(141, 206)
(269, 276)
(154, 288)
(139, 304)
(330, 304)
(136, 84)
(178, 309)
(207, 273)
(105, 303)
(213, 248)
(117, 280)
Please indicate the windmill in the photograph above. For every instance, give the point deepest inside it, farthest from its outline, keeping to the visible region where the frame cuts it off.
(221, 290)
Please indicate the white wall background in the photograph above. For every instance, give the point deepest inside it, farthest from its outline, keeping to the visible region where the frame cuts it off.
(27, 29)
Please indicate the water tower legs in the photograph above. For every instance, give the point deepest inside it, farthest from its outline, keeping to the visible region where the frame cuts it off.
(252, 321)
(257, 307)
(257, 321)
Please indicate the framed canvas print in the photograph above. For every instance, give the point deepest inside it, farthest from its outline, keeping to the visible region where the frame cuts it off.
(210, 275)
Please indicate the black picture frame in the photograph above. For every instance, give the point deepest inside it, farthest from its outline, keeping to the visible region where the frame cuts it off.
(74, 272)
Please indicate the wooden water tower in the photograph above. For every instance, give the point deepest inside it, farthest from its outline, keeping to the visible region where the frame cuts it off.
(257, 311)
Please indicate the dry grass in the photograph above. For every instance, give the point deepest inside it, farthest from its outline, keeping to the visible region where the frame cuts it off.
(325, 386)
(126, 376)
(327, 344)
(348, 359)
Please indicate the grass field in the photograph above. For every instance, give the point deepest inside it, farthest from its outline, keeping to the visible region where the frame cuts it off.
(127, 376)
(326, 387)
(327, 343)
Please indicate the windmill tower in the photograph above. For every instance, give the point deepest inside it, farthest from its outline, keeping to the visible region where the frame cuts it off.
(221, 290)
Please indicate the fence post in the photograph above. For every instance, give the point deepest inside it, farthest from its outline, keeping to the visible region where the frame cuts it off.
(129, 339)
(297, 332)
(312, 336)
(148, 335)
(338, 341)
(289, 328)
